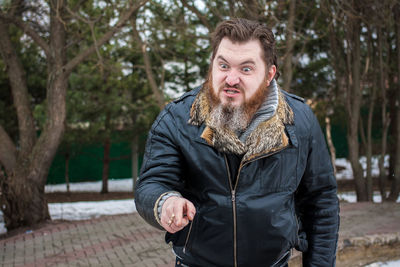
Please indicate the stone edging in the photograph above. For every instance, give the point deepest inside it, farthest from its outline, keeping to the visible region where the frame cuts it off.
(359, 251)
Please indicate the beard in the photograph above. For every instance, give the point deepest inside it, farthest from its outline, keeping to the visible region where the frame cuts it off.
(228, 116)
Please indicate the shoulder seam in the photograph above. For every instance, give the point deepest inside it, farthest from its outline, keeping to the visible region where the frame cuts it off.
(299, 98)
(187, 94)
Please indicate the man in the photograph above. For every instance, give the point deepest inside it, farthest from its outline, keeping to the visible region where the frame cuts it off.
(237, 171)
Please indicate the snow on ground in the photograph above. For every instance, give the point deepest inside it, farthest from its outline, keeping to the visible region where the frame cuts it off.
(351, 197)
(120, 185)
(347, 172)
(385, 264)
(90, 209)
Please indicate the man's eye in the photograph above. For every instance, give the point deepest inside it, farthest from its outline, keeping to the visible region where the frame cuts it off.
(223, 66)
(246, 69)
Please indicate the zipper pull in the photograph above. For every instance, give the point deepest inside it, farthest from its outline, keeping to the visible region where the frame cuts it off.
(233, 196)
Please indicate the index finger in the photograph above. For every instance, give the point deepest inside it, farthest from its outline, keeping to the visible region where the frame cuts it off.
(179, 210)
(190, 210)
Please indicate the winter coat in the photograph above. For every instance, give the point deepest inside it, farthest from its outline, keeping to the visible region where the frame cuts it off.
(283, 197)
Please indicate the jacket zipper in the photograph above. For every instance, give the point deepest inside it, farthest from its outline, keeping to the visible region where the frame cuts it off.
(187, 237)
(283, 256)
(233, 196)
(298, 229)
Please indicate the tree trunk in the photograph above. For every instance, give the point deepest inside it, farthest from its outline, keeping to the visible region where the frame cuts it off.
(287, 63)
(330, 143)
(67, 158)
(106, 153)
(385, 119)
(135, 158)
(395, 189)
(17, 79)
(22, 199)
(31, 206)
(106, 165)
(369, 147)
(353, 103)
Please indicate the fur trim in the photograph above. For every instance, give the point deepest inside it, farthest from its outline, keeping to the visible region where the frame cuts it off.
(208, 135)
(200, 109)
(268, 137)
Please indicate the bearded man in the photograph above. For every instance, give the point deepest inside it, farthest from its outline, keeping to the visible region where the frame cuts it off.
(237, 172)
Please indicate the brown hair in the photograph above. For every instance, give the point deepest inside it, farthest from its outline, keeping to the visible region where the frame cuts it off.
(243, 30)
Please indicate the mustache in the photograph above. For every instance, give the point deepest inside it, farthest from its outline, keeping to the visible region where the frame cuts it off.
(236, 86)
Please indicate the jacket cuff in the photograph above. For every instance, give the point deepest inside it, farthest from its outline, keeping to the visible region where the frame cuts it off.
(160, 202)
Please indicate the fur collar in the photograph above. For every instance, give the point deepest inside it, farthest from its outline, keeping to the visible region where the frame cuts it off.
(268, 137)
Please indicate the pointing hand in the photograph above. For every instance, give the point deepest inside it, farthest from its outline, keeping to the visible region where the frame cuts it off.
(176, 213)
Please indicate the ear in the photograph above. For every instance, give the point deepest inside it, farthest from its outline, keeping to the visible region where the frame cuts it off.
(271, 73)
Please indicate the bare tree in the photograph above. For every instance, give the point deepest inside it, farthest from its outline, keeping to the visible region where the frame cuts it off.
(385, 115)
(27, 164)
(394, 192)
(354, 95)
(290, 42)
(345, 31)
(332, 150)
(361, 35)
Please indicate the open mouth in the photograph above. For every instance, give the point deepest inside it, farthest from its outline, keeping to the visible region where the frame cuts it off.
(231, 91)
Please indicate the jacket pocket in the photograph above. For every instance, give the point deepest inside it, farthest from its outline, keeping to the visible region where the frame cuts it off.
(180, 238)
(278, 172)
(190, 235)
(301, 243)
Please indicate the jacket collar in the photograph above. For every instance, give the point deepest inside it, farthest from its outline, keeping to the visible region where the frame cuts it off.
(268, 137)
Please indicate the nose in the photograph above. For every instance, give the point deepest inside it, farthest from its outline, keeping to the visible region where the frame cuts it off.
(232, 78)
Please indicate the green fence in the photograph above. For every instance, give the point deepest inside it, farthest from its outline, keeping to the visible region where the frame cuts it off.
(86, 164)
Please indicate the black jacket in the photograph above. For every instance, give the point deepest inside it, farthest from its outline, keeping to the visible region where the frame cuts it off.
(283, 197)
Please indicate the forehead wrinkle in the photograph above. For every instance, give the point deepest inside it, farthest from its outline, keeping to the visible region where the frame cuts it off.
(249, 61)
(222, 58)
(245, 62)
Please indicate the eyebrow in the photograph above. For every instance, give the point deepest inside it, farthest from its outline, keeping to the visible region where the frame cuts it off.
(249, 61)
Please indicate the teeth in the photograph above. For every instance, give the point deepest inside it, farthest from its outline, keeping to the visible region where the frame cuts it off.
(231, 92)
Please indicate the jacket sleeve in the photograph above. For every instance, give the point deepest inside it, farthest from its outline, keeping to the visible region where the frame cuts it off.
(161, 168)
(317, 202)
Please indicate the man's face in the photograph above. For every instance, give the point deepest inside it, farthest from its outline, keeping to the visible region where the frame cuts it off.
(238, 71)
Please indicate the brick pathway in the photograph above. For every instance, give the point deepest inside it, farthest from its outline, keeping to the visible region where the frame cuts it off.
(123, 240)
(126, 240)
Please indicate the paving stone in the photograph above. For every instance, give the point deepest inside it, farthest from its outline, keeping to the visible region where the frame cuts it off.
(126, 240)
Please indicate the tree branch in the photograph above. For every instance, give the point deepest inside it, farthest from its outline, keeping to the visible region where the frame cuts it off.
(201, 17)
(8, 152)
(19, 89)
(90, 23)
(147, 62)
(106, 37)
(28, 31)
